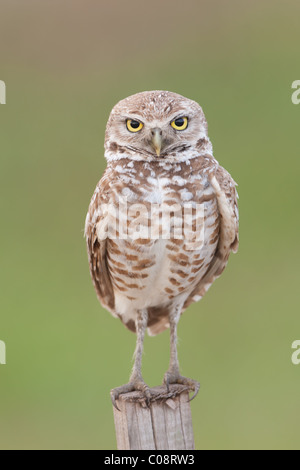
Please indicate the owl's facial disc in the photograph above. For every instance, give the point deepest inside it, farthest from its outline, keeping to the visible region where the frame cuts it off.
(156, 125)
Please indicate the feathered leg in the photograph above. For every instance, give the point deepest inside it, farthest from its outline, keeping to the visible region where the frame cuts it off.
(172, 376)
(136, 381)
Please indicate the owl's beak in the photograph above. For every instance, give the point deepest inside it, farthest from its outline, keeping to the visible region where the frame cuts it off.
(156, 140)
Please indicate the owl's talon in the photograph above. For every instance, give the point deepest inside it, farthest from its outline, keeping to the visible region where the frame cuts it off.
(176, 378)
(148, 396)
(138, 385)
(113, 400)
(116, 392)
(196, 390)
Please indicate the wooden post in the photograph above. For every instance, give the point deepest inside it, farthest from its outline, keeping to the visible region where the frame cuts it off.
(165, 425)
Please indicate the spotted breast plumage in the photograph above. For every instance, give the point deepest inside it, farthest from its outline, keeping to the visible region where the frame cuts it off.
(162, 221)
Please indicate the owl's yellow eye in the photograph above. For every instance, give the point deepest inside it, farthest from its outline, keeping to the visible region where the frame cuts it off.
(180, 124)
(134, 126)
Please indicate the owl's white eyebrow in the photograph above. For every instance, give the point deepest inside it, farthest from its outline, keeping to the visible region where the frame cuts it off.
(131, 117)
(182, 115)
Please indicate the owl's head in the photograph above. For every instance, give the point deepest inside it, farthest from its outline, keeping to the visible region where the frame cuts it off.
(156, 125)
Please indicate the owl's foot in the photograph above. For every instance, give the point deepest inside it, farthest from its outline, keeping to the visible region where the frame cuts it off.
(133, 385)
(171, 377)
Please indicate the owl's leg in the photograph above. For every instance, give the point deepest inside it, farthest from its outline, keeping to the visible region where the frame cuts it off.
(172, 376)
(136, 381)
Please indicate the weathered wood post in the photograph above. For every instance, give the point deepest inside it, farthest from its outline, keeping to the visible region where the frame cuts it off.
(166, 424)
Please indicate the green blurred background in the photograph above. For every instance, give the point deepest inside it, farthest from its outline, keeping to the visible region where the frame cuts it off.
(65, 64)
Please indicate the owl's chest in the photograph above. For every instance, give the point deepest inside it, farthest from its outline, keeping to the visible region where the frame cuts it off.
(164, 203)
(145, 185)
(166, 237)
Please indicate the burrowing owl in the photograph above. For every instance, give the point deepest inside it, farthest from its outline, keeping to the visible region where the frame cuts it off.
(148, 260)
